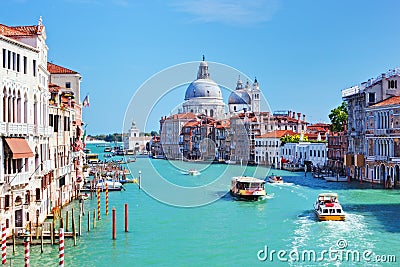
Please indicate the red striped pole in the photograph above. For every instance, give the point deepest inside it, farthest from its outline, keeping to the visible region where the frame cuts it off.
(106, 199)
(3, 244)
(61, 248)
(26, 246)
(98, 203)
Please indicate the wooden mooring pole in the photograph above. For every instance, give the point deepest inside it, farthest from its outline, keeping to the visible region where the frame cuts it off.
(88, 221)
(126, 217)
(114, 222)
(73, 227)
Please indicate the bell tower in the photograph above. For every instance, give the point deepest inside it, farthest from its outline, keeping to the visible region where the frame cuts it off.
(255, 97)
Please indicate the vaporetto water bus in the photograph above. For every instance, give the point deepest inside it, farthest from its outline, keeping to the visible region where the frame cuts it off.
(247, 188)
(328, 208)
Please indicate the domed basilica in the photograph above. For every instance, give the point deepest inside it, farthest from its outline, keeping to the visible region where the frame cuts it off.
(203, 96)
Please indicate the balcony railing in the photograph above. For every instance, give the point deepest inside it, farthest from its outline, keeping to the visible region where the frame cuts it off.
(9, 128)
(382, 158)
(3, 128)
(381, 131)
(17, 179)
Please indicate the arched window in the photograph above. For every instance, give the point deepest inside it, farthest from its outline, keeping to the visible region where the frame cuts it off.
(19, 107)
(211, 113)
(392, 84)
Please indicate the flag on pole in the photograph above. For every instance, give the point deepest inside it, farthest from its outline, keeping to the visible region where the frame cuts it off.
(86, 102)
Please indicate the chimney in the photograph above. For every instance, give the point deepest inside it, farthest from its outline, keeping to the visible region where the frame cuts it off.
(290, 113)
(298, 116)
(293, 115)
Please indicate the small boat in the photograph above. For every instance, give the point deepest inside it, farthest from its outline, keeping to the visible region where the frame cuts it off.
(230, 162)
(275, 179)
(83, 196)
(193, 172)
(107, 149)
(328, 208)
(247, 188)
(336, 178)
(112, 185)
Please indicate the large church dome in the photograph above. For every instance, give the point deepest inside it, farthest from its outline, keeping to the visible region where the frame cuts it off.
(203, 86)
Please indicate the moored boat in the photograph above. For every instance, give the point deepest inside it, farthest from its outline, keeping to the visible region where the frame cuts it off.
(247, 188)
(193, 172)
(328, 208)
(336, 178)
(275, 179)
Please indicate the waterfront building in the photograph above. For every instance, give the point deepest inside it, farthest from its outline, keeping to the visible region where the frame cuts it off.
(244, 128)
(383, 142)
(305, 153)
(286, 120)
(222, 130)
(37, 171)
(232, 133)
(359, 98)
(198, 139)
(23, 123)
(268, 147)
(134, 142)
(170, 134)
(337, 149)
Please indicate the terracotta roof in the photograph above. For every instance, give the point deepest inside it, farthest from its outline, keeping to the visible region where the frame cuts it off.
(191, 124)
(277, 134)
(55, 69)
(11, 31)
(316, 128)
(189, 115)
(394, 100)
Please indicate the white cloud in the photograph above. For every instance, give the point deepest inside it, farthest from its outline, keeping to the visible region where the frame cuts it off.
(233, 12)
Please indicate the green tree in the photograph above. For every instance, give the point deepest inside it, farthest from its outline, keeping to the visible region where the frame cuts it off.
(338, 117)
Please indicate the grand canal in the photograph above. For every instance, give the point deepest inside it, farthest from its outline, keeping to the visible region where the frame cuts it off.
(226, 232)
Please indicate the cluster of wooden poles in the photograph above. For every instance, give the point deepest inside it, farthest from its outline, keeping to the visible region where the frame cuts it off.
(63, 230)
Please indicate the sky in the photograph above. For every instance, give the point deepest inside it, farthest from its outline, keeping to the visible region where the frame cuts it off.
(303, 52)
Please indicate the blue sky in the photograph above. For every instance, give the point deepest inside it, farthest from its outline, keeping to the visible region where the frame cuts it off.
(302, 52)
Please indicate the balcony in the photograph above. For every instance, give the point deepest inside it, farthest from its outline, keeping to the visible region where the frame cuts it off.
(17, 128)
(17, 179)
(382, 131)
(382, 158)
(3, 128)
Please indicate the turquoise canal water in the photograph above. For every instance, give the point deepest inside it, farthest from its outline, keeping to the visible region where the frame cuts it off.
(226, 232)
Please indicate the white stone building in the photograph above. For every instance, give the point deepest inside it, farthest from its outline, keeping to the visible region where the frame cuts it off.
(30, 165)
(134, 142)
(268, 147)
(305, 152)
(359, 98)
(383, 142)
(23, 123)
(203, 95)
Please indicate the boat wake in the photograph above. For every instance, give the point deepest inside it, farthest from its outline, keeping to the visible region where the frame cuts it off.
(270, 196)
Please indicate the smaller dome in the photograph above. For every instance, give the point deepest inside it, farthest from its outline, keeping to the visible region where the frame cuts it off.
(239, 97)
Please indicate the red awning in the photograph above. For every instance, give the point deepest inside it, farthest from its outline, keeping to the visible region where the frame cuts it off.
(19, 148)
